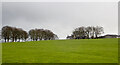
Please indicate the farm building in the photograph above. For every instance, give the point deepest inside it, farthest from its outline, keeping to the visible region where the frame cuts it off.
(118, 36)
(109, 36)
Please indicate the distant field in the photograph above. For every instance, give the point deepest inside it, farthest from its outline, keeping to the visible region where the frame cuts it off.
(62, 51)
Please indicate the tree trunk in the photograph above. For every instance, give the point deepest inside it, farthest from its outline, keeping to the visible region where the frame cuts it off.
(13, 40)
(19, 39)
(8, 40)
(36, 39)
(96, 36)
(5, 39)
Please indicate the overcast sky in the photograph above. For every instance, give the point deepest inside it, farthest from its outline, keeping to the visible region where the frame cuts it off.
(60, 0)
(61, 17)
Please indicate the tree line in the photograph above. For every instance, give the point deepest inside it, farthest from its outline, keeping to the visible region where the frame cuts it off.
(14, 34)
(90, 32)
(41, 34)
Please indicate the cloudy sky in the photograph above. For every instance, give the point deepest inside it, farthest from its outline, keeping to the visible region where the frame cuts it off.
(61, 17)
(60, 0)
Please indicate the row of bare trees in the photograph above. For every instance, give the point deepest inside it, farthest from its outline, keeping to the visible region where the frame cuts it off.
(89, 32)
(14, 34)
(41, 34)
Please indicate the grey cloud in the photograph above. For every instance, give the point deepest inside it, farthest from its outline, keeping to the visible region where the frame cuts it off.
(61, 17)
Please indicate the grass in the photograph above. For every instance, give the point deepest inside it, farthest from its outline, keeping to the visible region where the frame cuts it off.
(62, 51)
(0, 53)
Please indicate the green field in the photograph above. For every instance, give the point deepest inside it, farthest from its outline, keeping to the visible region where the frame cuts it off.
(61, 51)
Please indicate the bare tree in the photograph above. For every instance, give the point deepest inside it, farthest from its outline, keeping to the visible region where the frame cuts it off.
(79, 33)
(87, 32)
(25, 35)
(98, 30)
(6, 33)
(32, 34)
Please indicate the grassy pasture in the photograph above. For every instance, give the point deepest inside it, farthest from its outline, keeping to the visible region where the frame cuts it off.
(61, 51)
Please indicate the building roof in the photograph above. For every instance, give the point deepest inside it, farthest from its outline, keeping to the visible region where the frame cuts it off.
(111, 35)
